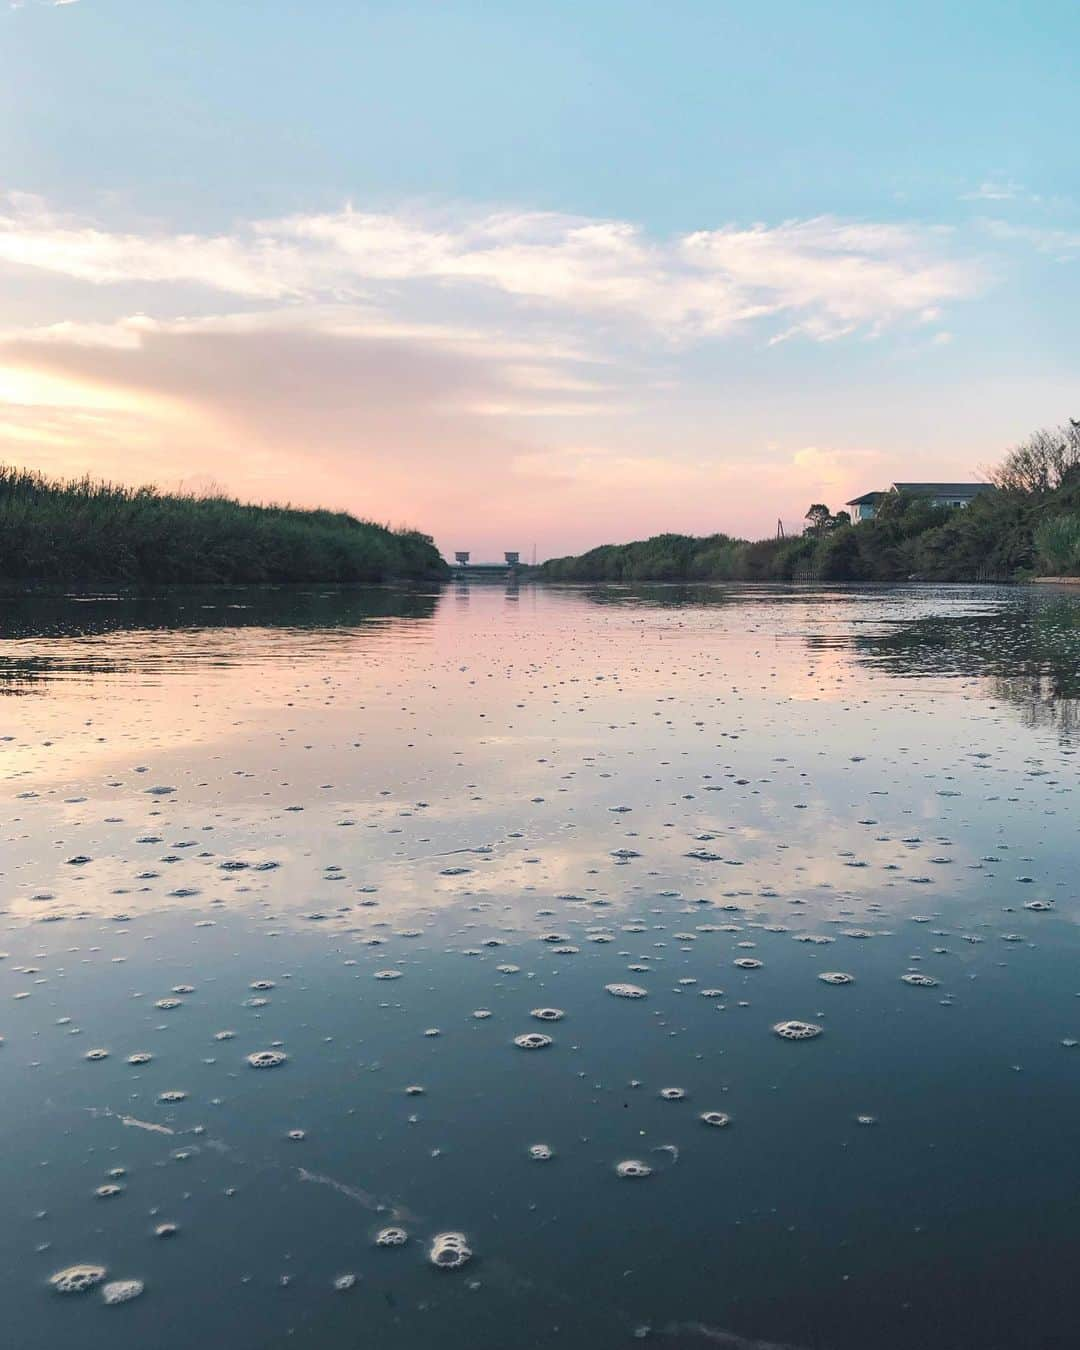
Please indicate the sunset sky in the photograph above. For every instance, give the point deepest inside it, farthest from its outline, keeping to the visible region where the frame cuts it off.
(537, 273)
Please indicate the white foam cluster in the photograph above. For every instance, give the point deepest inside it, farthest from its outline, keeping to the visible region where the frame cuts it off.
(532, 1040)
(626, 990)
(541, 1152)
(121, 1291)
(449, 1251)
(548, 1014)
(795, 1030)
(77, 1279)
(267, 1059)
(716, 1118)
(836, 977)
(391, 1237)
(920, 981)
(632, 1167)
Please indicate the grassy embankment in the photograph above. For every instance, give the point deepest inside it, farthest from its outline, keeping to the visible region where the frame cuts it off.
(1029, 526)
(79, 532)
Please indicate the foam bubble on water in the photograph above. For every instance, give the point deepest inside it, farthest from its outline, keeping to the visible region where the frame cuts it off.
(1039, 906)
(166, 1230)
(532, 1040)
(540, 1152)
(633, 1168)
(297, 1135)
(508, 969)
(388, 974)
(866, 1120)
(482, 1014)
(261, 985)
(836, 977)
(449, 1251)
(343, 1283)
(433, 1031)
(919, 981)
(673, 1094)
(167, 1004)
(548, 1014)
(391, 1237)
(748, 963)
(77, 1279)
(140, 1057)
(626, 990)
(266, 1059)
(97, 1054)
(795, 1030)
(172, 1095)
(121, 1291)
(224, 1035)
(715, 1118)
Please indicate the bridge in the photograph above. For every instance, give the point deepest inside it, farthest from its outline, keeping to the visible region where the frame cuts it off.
(464, 566)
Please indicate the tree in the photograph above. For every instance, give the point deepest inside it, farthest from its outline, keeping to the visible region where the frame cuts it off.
(819, 517)
(1042, 463)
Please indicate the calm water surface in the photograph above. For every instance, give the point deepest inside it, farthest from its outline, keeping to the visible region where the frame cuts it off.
(332, 823)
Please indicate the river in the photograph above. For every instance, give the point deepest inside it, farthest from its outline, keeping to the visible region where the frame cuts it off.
(375, 832)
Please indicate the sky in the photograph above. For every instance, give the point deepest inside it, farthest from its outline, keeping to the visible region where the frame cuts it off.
(537, 275)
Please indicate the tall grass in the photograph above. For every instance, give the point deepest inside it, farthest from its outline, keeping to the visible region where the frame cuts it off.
(1057, 541)
(83, 530)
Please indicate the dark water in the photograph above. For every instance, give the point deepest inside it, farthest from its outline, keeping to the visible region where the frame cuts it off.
(306, 788)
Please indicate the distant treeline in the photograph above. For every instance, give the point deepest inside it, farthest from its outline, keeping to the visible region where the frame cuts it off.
(83, 531)
(1029, 526)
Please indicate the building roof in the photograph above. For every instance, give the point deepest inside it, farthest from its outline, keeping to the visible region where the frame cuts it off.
(867, 499)
(942, 489)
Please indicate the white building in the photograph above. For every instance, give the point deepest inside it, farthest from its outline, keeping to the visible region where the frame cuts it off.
(934, 494)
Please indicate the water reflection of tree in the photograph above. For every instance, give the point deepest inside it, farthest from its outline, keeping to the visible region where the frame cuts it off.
(1026, 649)
(336, 611)
(1038, 702)
(28, 616)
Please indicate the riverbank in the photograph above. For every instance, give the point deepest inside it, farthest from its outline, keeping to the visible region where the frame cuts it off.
(1027, 526)
(85, 533)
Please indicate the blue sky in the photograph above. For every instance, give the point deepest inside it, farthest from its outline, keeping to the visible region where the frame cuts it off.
(609, 268)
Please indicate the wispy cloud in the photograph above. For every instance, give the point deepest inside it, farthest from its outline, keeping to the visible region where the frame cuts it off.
(1061, 244)
(997, 190)
(821, 278)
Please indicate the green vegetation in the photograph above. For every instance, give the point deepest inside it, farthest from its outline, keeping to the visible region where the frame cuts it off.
(1057, 542)
(82, 531)
(1029, 526)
